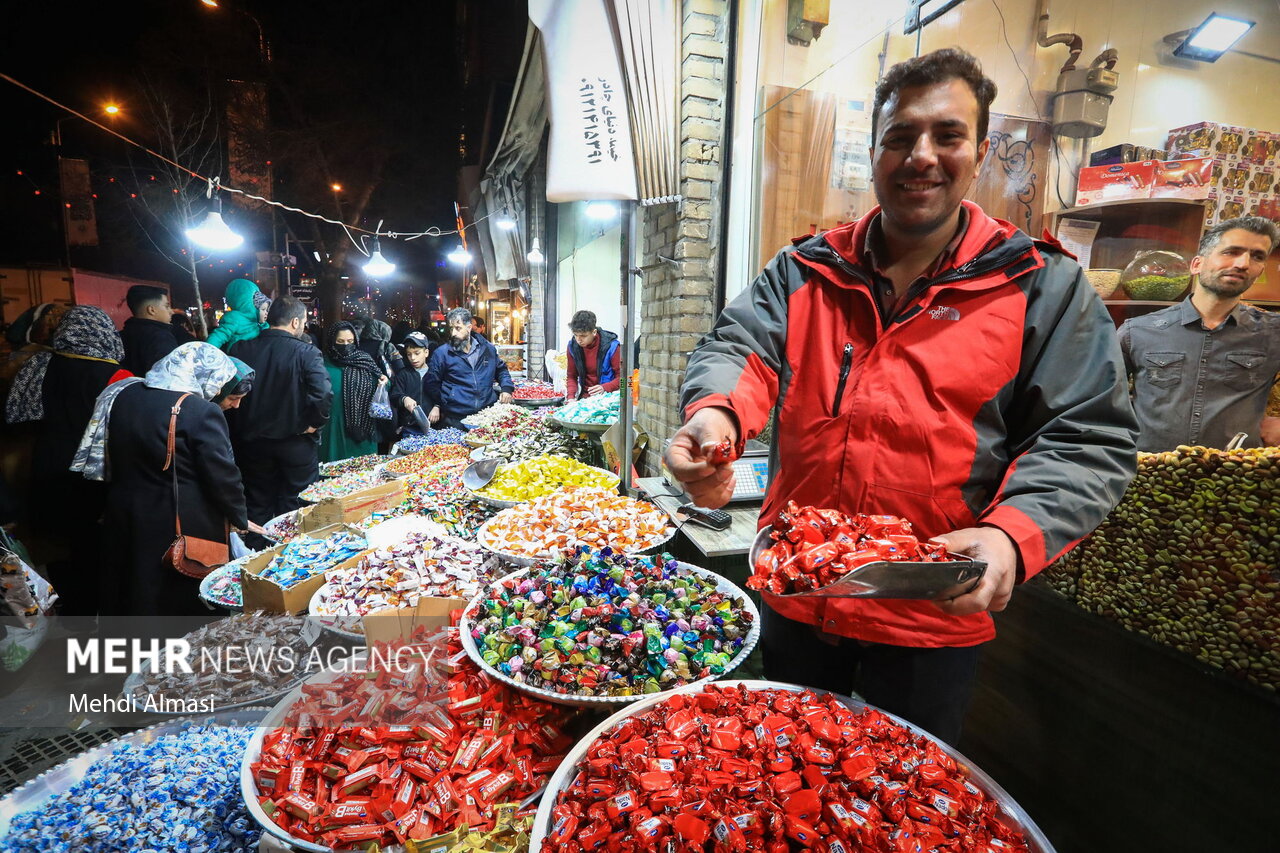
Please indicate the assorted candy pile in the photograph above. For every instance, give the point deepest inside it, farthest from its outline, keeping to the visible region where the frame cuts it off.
(602, 624)
(521, 423)
(350, 466)
(178, 794)
(338, 487)
(284, 529)
(815, 547)
(426, 459)
(772, 770)
(400, 574)
(271, 655)
(556, 525)
(600, 409)
(551, 440)
(541, 475)
(412, 442)
(423, 747)
(536, 391)
(304, 558)
(222, 585)
(499, 413)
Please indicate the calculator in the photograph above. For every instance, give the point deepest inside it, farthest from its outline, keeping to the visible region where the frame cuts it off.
(751, 477)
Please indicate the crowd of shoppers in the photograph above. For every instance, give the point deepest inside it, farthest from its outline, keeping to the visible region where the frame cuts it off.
(105, 484)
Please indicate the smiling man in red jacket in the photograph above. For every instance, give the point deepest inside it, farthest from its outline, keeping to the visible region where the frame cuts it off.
(926, 361)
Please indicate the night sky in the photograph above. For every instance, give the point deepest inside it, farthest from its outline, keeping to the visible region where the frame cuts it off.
(349, 79)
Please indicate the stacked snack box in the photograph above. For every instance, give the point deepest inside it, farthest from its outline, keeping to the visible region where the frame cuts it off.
(1231, 166)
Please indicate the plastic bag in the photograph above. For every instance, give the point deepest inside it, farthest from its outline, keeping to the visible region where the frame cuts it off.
(380, 407)
(29, 599)
(557, 362)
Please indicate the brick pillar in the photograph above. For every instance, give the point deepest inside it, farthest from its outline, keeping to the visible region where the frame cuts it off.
(678, 304)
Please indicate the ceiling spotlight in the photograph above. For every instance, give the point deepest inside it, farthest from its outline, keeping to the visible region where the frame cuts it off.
(1212, 38)
(213, 233)
(535, 255)
(378, 266)
(459, 256)
(602, 210)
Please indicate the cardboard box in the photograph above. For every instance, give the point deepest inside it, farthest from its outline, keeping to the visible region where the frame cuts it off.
(399, 623)
(355, 507)
(1125, 152)
(1261, 148)
(1119, 181)
(1223, 206)
(1206, 139)
(1263, 181)
(262, 594)
(1199, 178)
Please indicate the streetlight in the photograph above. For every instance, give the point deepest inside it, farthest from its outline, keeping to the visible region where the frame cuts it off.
(264, 49)
(378, 266)
(214, 233)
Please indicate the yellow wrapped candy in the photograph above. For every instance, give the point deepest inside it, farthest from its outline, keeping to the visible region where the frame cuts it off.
(542, 475)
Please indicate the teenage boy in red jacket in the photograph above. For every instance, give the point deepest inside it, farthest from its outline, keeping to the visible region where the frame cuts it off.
(927, 361)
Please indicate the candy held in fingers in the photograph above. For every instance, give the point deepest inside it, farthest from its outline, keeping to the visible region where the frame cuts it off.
(815, 547)
(722, 452)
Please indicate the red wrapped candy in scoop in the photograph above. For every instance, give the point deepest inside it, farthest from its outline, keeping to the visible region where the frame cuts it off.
(815, 547)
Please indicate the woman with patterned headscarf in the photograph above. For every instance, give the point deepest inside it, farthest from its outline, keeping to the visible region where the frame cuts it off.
(127, 442)
(24, 372)
(86, 356)
(351, 430)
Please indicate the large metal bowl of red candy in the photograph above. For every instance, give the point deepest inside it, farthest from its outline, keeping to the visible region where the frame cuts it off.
(762, 765)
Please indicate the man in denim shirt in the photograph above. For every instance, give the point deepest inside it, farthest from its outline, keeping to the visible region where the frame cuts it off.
(1202, 369)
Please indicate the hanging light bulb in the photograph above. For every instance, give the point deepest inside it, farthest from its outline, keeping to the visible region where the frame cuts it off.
(378, 266)
(504, 221)
(535, 255)
(459, 255)
(213, 233)
(601, 210)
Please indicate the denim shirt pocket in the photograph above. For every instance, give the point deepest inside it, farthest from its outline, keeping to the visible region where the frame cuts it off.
(1164, 369)
(1242, 370)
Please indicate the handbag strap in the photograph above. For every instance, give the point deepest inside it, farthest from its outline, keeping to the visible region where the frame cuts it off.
(169, 461)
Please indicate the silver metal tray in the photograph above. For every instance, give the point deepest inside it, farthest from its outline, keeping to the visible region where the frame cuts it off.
(482, 533)
(540, 402)
(885, 579)
(58, 780)
(568, 768)
(722, 584)
(133, 684)
(272, 525)
(595, 429)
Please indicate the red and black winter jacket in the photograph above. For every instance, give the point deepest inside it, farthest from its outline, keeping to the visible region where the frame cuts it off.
(994, 395)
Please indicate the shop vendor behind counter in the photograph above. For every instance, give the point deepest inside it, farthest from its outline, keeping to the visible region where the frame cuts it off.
(1202, 369)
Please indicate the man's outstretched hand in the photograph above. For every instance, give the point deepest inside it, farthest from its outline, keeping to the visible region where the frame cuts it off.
(690, 459)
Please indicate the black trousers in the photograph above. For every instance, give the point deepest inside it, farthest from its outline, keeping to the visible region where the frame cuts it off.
(275, 471)
(928, 687)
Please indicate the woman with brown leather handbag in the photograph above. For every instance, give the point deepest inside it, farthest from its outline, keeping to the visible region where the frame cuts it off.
(162, 443)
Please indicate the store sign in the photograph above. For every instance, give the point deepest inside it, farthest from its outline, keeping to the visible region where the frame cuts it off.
(590, 153)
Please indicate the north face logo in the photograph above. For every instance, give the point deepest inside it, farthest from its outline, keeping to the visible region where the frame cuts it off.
(944, 312)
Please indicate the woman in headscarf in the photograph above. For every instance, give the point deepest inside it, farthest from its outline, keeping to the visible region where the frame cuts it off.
(87, 351)
(32, 335)
(351, 430)
(126, 443)
(241, 321)
(376, 341)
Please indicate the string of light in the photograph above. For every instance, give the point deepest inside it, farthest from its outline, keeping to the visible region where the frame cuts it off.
(433, 231)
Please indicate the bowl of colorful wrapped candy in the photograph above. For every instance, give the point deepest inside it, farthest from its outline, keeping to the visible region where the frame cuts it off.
(605, 628)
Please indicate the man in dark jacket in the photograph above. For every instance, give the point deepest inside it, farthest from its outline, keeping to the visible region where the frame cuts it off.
(462, 373)
(925, 361)
(149, 334)
(595, 358)
(409, 386)
(274, 429)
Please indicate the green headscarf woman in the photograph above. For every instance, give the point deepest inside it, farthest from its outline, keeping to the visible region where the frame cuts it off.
(241, 322)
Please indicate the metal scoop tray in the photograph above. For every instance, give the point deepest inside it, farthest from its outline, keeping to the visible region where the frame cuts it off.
(886, 579)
